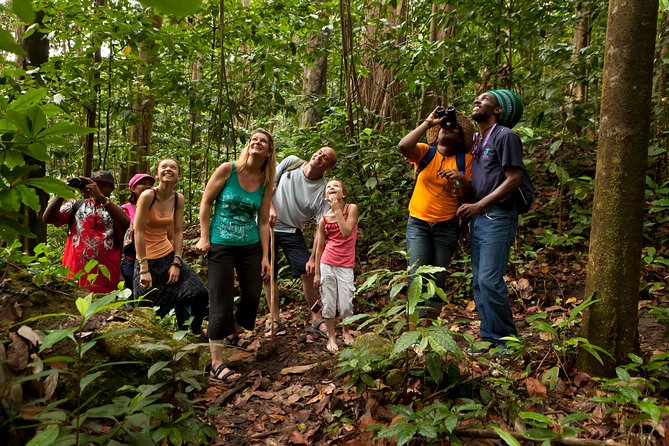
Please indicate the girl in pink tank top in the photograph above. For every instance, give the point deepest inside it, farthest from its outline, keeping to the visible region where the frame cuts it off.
(335, 259)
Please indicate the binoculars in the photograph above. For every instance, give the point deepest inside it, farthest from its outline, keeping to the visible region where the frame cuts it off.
(448, 117)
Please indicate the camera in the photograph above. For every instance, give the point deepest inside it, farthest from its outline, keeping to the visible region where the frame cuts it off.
(449, 119)
(77, 183)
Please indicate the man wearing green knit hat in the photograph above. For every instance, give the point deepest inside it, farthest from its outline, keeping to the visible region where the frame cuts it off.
(497, 171)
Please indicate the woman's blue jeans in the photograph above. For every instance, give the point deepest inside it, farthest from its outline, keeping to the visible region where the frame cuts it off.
(432, 244)
(492, 234)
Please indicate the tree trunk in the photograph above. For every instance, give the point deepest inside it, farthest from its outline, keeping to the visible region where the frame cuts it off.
(36, 47)
(379, 88)
(92, 114)
(315, 76)
(142, 129)
(614, 265)
(579, 87)
(581, 41)
(660, 91)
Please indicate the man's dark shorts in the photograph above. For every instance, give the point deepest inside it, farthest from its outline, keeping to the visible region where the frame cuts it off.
(294, 248)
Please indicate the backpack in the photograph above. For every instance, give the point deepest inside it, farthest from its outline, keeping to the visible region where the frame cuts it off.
(129, 236)
(524, 196)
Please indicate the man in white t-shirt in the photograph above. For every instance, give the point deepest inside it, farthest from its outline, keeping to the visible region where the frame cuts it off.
(298, 197)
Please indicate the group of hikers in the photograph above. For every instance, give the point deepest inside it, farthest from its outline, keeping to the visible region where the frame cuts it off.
(251, 207)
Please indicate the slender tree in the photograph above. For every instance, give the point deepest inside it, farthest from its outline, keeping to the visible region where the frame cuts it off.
(314, 85)
(143, 106)
(615, 241)
(36, 46)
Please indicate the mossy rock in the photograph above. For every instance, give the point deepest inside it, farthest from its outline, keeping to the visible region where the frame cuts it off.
(394, 378)
(126, 347)
(375, 343)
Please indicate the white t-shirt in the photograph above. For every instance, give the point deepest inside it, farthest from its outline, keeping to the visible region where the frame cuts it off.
(297, 198)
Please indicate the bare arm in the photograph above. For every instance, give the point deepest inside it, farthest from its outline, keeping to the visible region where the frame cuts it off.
(51, 212)
(178, 241)
(346, 225)
(512, 181)
(407, 145)
(319, 246)
(139, 226)
(264, 232)
(211, 191)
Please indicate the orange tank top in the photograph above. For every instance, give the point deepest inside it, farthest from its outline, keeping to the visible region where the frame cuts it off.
(155, 234)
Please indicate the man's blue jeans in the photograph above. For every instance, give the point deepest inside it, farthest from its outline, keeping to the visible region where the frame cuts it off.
(432, 244)
(492, 235)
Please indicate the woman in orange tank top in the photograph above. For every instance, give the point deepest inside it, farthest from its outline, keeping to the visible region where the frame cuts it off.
(161, 275)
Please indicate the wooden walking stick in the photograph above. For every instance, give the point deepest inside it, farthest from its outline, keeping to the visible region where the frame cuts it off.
(271, 282)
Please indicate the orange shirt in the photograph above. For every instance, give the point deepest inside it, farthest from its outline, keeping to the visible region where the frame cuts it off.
(155, 234)
(433, 199)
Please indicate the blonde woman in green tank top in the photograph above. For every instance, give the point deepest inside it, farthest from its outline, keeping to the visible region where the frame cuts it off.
(236, 239)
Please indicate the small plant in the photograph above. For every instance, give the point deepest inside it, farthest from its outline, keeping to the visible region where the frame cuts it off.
(433, 422)
(156, 413)
(631, 396)
(564, 347)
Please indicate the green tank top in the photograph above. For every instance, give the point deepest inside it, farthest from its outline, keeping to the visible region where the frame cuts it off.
(234, 222)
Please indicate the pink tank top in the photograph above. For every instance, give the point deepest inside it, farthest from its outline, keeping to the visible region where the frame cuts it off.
(339, 250)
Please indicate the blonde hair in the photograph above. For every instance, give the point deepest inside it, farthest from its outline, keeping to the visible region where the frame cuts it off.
(269, 166)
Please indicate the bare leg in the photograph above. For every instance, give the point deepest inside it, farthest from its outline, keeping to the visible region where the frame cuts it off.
(332, 339)
(346, 334)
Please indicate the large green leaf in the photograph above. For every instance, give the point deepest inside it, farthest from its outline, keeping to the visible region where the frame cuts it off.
(56, 336)
(405, 341)
(86, 380)
(29, 197)
(506, 436)
(29, 98)
(20, 120)
(60, 128)
(12, 158)
(178, 8)
(44, 438)
(10, 200)
(37, 120)
(441, 339)
(7, 43)
(24, 9)
(51, 186)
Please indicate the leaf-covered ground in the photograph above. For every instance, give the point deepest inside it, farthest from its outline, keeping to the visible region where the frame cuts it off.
(291, 393)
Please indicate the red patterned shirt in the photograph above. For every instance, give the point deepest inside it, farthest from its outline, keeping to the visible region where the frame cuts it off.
(92, 237)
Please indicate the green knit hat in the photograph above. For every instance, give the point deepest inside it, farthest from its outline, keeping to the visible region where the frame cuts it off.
(512, 107)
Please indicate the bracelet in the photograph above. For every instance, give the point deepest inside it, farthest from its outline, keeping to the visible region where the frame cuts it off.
(178, 265)
(106, 202)
(144, 271)
(178, 256)
(140, 260)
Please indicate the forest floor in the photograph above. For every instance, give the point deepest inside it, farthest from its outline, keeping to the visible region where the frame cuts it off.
(290, 392)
